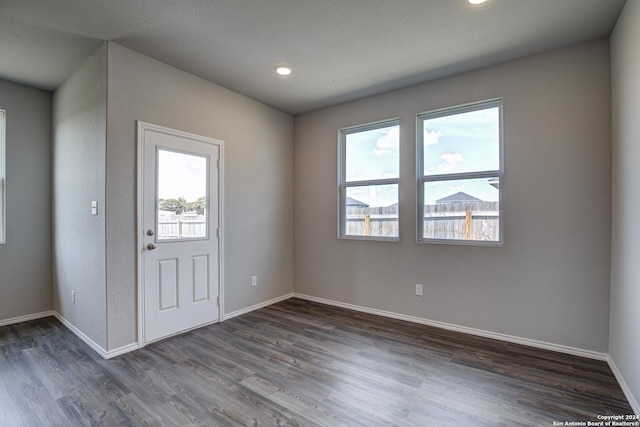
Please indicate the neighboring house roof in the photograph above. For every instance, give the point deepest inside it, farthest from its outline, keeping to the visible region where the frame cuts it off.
(356, 203)
(459, 197)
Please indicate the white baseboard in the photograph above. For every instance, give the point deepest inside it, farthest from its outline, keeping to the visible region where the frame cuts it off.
(27, 318)
(257, 306)
(134, 346)
(448, 326)
(97, 348)
(121, 350)
(623, 385)
(494, 335)
(464, 329)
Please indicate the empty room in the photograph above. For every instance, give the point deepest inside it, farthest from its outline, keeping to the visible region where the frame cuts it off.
(319, 213)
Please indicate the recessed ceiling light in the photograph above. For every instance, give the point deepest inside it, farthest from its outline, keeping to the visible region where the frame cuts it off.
(476, 1)
(283, 70)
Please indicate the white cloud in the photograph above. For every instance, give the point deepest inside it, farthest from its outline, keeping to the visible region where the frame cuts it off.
(387, 144)
(450, 162)
(360, 176)
(452, 189)
(431, 137)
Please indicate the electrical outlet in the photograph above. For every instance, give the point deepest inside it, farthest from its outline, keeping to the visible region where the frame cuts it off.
(254, 280)
(419, 289)
(73, 297)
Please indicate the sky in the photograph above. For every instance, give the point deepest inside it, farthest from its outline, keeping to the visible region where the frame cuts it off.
(181, 174)
(465, 142)
(373, 154)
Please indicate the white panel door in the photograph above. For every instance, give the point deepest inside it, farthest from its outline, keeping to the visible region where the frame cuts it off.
(180, 220)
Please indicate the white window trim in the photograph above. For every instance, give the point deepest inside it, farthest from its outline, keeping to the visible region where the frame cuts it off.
(3, 177)
(343, 184)
(422, 179)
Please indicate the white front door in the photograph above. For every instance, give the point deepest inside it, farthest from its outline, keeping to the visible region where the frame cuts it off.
(179, 230)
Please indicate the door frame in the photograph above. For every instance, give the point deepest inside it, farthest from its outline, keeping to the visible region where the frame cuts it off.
(140, 253)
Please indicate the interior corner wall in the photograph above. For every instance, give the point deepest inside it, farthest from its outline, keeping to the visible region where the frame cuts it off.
(79, 143)
(25, 257)
(550, 281)
(258, 190)
(624, 332)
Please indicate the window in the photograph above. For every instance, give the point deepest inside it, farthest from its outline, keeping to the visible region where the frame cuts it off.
(2, 177)
(181, 185)
(368, 177)
(460, 174)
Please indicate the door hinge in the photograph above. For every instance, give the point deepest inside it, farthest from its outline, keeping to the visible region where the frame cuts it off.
(218, 301)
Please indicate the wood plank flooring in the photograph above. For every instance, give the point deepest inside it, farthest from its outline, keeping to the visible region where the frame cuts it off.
(298, 363)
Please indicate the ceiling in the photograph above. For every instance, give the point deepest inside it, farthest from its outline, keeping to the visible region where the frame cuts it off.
(340, 49)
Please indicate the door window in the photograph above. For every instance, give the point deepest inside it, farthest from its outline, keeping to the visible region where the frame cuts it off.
(181, 196)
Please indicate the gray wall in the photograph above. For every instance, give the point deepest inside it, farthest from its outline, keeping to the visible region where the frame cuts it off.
(550, 281)
(79, 120)
(258, 189)
(624, 332)
(25, 258)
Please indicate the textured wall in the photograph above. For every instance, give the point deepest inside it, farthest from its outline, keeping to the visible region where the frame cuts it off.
(550, 281)
(258, 190)
(79, 120)
(624, 339)
(25, 258)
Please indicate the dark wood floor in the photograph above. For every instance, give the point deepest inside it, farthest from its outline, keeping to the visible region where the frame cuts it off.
(298, 363)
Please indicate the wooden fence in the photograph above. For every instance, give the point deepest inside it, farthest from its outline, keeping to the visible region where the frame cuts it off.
(380, 222)
(182, 227)
(462, 221)
(459, 221)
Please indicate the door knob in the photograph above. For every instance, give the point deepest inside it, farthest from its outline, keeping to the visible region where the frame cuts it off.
(151, 246)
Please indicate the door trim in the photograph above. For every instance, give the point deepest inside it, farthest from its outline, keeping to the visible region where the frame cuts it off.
(141, 128)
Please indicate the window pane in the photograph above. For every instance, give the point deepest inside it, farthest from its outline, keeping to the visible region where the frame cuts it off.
(467, 209)
(2, 176)
(182, 191)
(463, 142)
(372, 211)
(372, 154)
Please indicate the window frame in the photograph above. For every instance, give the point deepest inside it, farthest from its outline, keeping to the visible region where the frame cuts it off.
(3, 177)
(343, 184)
(422, 178)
